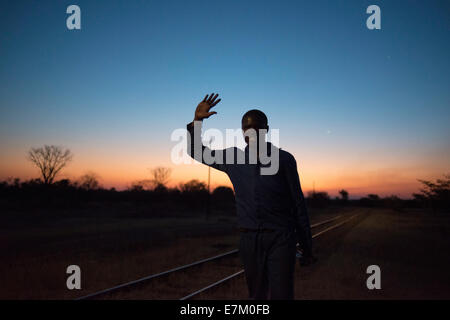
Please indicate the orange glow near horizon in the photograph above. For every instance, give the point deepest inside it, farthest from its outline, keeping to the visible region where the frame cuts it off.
(119, 171)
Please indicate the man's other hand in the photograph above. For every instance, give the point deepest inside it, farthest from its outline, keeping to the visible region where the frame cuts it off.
(306, 261)
(202, 111)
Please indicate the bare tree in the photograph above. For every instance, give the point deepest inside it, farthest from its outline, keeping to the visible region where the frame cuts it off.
(90, 181)
(49, 160)
(160, 176)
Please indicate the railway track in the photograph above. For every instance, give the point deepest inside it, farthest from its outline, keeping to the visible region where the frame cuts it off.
(160, 275)
(241, 272)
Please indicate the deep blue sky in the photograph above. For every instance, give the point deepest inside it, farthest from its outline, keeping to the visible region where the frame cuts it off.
(344, 97)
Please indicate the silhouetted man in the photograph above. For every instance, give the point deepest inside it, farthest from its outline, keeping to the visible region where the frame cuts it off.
(271, 209)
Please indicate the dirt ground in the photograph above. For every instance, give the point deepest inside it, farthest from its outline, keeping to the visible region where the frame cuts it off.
(411, 249)
(109, 251)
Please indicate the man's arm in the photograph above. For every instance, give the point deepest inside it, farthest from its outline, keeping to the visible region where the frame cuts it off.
(302, 225)
(195, 147)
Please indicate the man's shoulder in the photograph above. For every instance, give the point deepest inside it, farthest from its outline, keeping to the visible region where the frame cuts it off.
(286, 156)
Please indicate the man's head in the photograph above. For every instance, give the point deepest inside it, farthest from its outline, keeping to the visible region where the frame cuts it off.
(254, 119)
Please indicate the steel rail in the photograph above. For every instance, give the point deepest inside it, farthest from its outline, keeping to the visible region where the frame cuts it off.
(318, 224)
(215, 284)
(186, 266)
(180, 268)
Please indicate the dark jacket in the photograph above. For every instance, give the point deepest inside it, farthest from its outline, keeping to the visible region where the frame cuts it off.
(262, 201)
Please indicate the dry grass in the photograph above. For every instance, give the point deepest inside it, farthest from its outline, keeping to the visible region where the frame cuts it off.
(411, 249)
(34, 264)
(114, 251)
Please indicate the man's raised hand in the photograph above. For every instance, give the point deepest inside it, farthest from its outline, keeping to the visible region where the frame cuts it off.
(202, 111)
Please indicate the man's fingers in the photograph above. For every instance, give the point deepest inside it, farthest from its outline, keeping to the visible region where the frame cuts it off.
(211, 113)
(215, 103)
(213, 98)
(210, 98)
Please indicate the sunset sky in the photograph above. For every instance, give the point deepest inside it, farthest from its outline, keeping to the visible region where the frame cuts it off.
(364, 110)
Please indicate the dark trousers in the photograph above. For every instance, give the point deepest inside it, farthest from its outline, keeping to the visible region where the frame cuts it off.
(269, 263)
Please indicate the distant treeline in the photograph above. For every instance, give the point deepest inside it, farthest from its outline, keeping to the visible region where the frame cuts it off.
(189, 197)
(152, 197)
(433, 195)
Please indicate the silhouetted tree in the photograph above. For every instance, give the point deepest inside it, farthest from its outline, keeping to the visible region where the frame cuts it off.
(160, 189)
(373, 197)
(435, 194)
(160, 176)
(193, 186)
(372, 200)
(89, 181)
(195, 195)
(318, 199)
(50, 160)
(393, 202)
(223, 198)
(141, 185)
(344, 195)
(62, 184)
